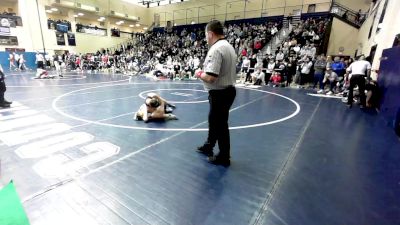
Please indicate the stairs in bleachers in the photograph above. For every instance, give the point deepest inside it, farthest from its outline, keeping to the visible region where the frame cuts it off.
(296, 20)
(288, 24)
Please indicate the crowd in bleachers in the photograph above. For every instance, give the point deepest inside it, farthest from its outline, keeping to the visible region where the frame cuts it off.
(178, 54)
(295, 55)
(5, 13)
(294, 62)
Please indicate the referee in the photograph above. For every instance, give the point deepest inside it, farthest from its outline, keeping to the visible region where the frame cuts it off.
(3, 103)
(219, 77)
(358, 70)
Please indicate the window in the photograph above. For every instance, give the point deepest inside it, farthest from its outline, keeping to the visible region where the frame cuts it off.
(378, 28)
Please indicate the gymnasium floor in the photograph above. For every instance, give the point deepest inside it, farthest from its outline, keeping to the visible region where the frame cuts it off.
(77, 157)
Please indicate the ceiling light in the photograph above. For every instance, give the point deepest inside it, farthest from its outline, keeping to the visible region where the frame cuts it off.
(131, 25)
(80, 14)
(102, 18)
(138, 25)
(54, 9)
(75, 15)
(49, 11)
(144, 28)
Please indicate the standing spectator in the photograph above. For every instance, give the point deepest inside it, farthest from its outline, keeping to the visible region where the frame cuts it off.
(245, 66)
(253, 62)
(16, 58)
(270, 69)
(39, 60)
(22, 65)
(319, 70)
(280, 56)
(305, 69)
(12, 61)
(291, 70)
(358, 16)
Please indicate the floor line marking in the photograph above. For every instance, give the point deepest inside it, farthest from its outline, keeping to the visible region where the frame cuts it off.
(55, 107)
(284, 169)
(160, 141)
(89, 92)
(62, 85)
(77, 178)
(124, 204)
(324, 96)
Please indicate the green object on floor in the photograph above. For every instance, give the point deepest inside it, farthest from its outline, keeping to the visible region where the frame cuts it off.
(11, 210)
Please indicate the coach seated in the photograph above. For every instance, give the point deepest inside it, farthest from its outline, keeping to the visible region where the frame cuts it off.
(276, 79)
(330, 78)
(258, 76)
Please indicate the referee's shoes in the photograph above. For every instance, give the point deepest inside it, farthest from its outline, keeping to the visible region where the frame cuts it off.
(219, 161)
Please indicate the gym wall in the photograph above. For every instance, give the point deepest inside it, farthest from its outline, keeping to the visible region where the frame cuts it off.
(342, 35)
(390, 27)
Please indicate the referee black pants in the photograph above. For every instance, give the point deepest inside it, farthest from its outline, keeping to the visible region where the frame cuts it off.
(359, 80)
(2, 90)
(218, 129)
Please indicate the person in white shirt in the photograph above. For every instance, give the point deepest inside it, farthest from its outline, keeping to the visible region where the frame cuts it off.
(305, 70)
(47, 58)
(258, 77)
(357, 72)
(245, 68)
(57, 64)
(196, 63)
(297, 49)
(330, 78)
(22, 62)
(280, 56)
(312, 51)
(39, 61)
(270, 69)
(16, 57)
(11, 58)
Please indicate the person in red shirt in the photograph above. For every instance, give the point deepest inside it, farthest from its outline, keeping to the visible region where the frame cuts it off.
(276, 79)
(244, 52)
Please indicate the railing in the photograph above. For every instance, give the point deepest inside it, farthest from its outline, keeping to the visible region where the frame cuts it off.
(91, 30)
(124, 34)
(348, 15)
(222, 13)
(54, 25)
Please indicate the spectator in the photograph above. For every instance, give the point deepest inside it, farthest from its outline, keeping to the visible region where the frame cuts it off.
(276, 79)
(338, 67)
(319, 71)
(258, 77)
(330, 78)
